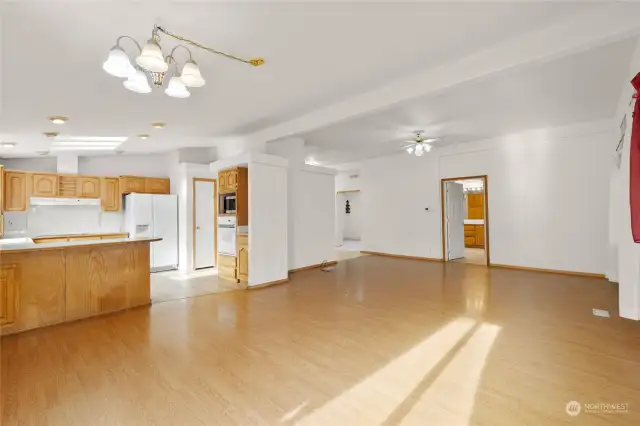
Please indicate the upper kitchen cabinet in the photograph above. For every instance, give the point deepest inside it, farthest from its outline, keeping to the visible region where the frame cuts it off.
(110, 195)
(15, 191)
(475, 206)
(227, 181)
(44, 185)
(129, 184)
(88, 187)
(157, 186)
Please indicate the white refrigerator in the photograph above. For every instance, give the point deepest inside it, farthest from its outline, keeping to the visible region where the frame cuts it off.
(147, 215)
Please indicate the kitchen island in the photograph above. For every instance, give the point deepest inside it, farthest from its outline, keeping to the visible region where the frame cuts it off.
(51, 283)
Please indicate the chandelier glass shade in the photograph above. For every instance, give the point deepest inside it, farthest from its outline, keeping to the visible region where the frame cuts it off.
(152, 63)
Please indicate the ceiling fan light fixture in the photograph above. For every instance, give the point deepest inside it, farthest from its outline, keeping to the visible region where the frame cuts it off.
(191, 76)
(118, 63)
(410, 149)
(151, 58)
(427, 147)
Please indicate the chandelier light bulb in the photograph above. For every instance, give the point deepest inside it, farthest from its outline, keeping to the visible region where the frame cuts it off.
(151, 58)
(118, 63)
(137, 82)
(427, 147)
(177, 89)
(410, 150)
(419, 149)
(191, 76)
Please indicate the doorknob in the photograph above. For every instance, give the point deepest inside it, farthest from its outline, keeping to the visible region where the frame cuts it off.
(197, 228)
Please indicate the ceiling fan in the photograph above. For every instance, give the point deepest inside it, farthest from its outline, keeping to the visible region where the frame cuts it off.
(419, 145)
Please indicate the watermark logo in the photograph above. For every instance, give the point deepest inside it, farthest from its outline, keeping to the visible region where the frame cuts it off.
(573, 408)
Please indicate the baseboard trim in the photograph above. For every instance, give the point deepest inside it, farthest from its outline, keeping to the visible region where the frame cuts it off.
(549, 271)
(317, 265)
(401, 256)
(267, 284)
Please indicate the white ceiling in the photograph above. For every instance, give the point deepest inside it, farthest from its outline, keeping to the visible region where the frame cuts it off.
(315, 54)
(581, 87)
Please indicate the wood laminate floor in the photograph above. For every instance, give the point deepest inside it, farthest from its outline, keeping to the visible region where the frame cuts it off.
(377, 341)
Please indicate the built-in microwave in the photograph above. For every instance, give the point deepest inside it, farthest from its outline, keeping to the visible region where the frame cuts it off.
(227, 203)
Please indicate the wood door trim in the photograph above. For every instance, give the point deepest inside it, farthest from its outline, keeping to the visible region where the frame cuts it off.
(215, 220)
(487, 238)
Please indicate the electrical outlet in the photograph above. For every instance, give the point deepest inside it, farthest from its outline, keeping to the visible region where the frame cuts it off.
(601, 313)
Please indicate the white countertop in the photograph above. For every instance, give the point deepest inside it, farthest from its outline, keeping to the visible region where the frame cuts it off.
(29, 245)
(474, 221)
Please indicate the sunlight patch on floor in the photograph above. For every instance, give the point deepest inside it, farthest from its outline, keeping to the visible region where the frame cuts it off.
(372, 400)
(449, 400)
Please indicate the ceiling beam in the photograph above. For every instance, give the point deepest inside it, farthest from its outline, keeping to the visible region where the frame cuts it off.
(603, 24)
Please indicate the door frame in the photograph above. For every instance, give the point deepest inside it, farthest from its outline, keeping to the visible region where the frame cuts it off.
(215, 220)
(487, 246)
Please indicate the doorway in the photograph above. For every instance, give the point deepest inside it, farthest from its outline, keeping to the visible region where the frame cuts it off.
(204, 223)
(465, 220)
(348, 224)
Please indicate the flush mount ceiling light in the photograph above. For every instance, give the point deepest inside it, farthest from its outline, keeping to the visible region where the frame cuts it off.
(158, 125)
(419, 145)
(7, 145)
(51, 134)
(143, 136)
(151, 62)
(58, 120)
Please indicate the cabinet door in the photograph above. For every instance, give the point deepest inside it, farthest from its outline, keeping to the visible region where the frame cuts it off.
(480, 235)
(15, 192)
(232, 180)
(129, 184)
(88, 187)
(243, 263)
(8, 295)
(475, 204)
(44, 185)
(222, 182)
(156, 186)
(110, 195)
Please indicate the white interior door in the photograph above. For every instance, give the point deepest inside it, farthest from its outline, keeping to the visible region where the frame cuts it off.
(204, 204)
(454, 220)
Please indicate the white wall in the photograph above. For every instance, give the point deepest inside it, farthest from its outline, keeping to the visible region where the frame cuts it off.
(546, 188)
(268, 256)
(623, 254)
(348, 180)
(153, 165)
(43, 164)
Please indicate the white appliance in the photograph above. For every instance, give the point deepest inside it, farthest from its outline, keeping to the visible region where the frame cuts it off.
(227, 235)
(45, 201)
(155, 216)
(204, 214)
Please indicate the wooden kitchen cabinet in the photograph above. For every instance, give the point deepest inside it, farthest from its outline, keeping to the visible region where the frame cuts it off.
(157, 186)
(8, 295)
(44, 185)
(475, 206)
(88, 187)
(15, 192)
(129, 184)
(110, 195)
(243, 258)
(227, 181)
(474, 236)
(227, 267)
(480, 235)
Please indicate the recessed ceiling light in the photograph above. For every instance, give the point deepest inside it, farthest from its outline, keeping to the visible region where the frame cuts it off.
(42, 152)
(51, 134)
(158, 125)
(58, 119)
(8, 145)
(143, 136)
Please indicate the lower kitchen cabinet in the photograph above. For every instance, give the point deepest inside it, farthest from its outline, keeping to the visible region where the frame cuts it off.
(227, 267)
(8, 295)
(243, 258)
(474, 236)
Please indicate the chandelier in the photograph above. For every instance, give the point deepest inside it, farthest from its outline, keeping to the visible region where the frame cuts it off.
(152, 64)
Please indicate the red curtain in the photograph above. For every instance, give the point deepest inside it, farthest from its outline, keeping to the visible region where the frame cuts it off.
(634, 172)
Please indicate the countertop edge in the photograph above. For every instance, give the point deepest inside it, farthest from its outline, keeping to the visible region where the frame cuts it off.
(72, 245)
